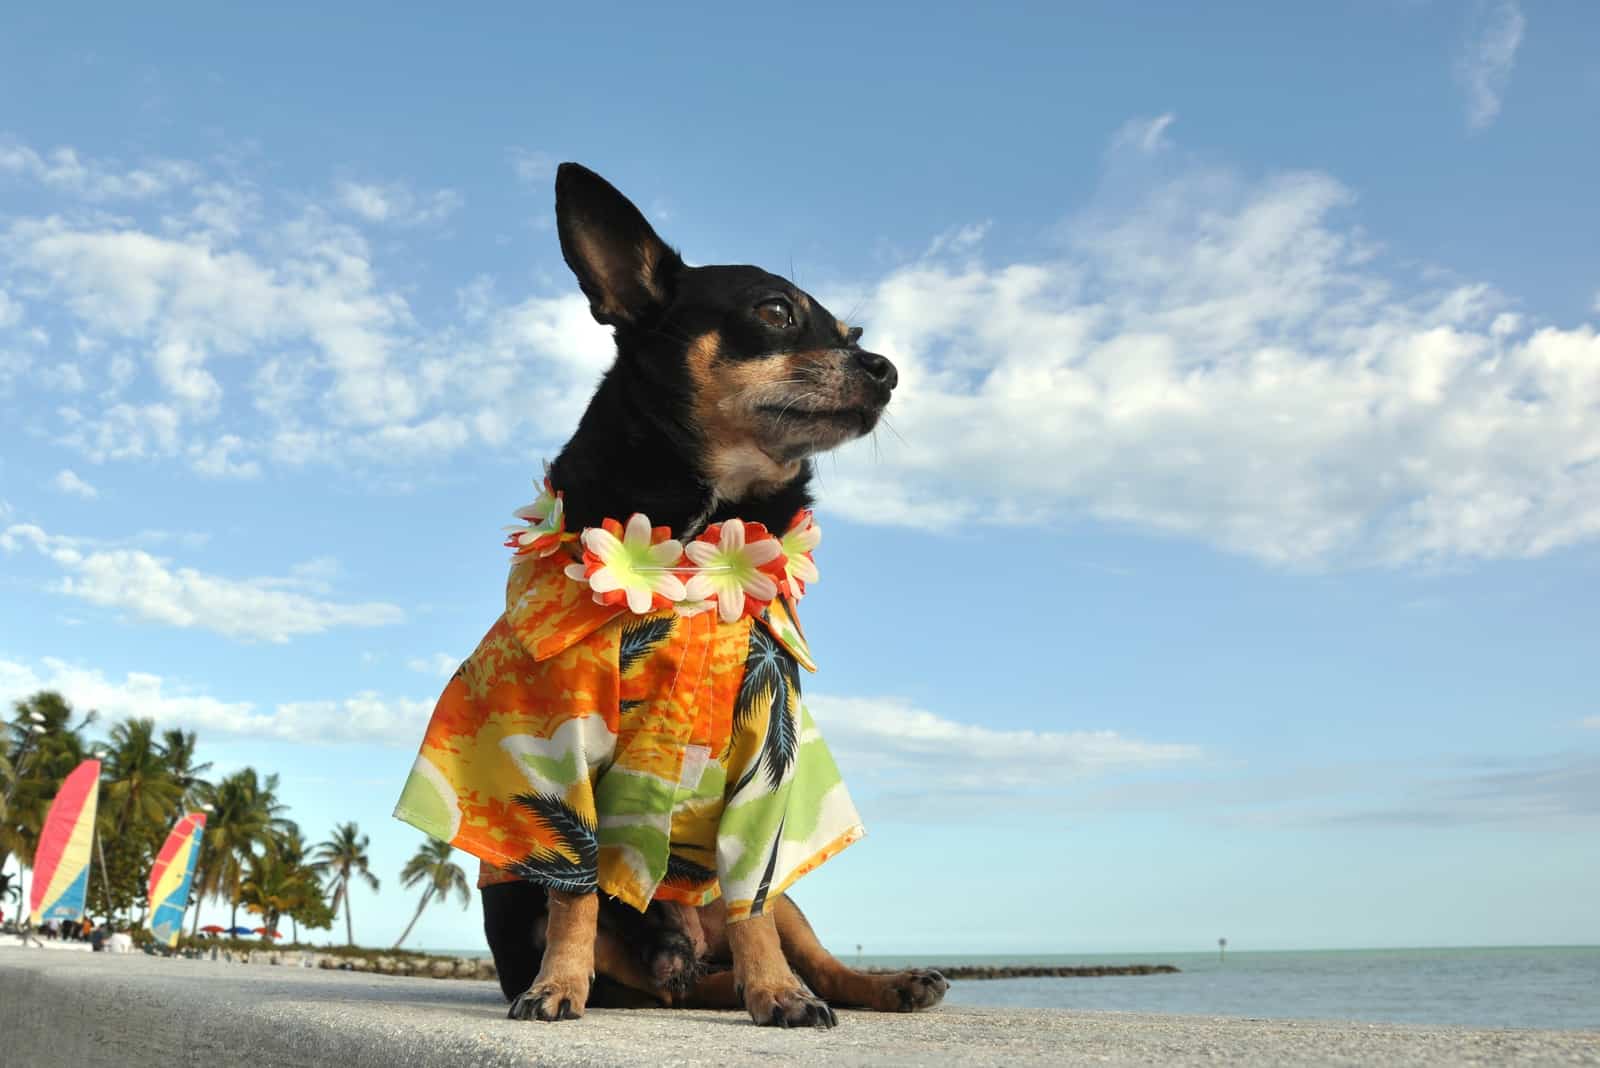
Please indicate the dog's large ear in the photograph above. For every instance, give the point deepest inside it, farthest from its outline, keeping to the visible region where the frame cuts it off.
(625, 270)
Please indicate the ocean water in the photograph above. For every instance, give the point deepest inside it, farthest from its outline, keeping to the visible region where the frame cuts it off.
(1545, 987)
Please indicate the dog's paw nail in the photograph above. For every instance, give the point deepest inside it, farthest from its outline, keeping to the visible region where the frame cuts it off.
(547, 1003)
(793, 1008)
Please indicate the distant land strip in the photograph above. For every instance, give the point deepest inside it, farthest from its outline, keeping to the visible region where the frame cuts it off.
(1035, 971)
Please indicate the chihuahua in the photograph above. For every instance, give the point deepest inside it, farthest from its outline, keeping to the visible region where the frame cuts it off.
(727, 381)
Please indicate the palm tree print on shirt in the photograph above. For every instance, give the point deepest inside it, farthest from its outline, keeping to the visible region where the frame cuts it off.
(570, 865)
(770, 689)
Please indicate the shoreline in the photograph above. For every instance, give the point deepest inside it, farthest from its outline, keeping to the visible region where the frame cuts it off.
(53, 1008)
(422, 964)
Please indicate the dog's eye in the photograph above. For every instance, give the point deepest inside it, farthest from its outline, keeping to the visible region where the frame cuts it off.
(776, 313)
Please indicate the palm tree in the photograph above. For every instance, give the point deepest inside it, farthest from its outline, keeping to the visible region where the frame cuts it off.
(243, 816)
(302, 876)
(6, 770)
(439, 875)
(136, 777)
(344, 856)
(178, 746)
(270, 889)
(139, 800)
(44, 746)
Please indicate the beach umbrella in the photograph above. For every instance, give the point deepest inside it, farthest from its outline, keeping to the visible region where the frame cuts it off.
(269, 934)
(212, 928)
(240, 931)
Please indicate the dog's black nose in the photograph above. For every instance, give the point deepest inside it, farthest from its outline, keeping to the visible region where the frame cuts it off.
(878, 369)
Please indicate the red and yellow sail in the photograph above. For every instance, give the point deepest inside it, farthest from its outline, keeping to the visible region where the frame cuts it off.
(171, 877)
(61, 863)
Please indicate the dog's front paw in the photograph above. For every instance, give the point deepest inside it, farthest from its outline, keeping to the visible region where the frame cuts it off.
(910, 991)
(551, 999)
(787, 1007)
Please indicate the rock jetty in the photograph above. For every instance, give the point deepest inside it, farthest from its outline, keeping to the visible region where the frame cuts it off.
(473, 968)
(1032, 971)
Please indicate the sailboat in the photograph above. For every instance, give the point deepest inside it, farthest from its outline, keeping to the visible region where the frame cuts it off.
(61, 862)
(171, 876)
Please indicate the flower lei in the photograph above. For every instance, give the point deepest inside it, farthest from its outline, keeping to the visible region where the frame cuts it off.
(734, 567)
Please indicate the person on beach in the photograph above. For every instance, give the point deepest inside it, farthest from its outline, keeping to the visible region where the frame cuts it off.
(25, 929)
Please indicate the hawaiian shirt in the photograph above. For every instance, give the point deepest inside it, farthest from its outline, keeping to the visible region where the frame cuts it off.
(665, 756)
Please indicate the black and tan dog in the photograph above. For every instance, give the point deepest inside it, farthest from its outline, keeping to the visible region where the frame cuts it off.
(727, 380)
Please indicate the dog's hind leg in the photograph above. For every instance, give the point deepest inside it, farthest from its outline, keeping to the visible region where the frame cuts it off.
(561, 989)
(714, 990)
(905, 991)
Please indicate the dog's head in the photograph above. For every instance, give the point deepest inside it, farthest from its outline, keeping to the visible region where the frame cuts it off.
(753, 371)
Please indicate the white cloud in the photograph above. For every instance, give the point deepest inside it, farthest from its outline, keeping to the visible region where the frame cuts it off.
(535, 168)
(148, 587)
(959, 239)
(441, 664)
(1223, 359)
(366, 717)
(888, 741)
(1144, 135)
(64, 170)
(215, 458)
(1484, 66)
(1591, 722)
(395, 203)
(68, 482)
(122, 431)
(1226, 360)
(186, 301)
(10, 310)
(63, 377)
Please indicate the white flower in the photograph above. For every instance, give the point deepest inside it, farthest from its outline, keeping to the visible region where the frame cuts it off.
(730, 568)
(630, 568)
(799, 568)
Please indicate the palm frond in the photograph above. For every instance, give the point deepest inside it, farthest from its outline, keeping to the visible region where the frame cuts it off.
(685, 873)
(759, 899)
(639, 636)
(571, 864)
(770, 688)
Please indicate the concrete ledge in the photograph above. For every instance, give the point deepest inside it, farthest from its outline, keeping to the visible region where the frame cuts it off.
(85, 1011)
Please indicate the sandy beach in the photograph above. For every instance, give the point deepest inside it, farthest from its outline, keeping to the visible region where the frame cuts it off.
(84, 1010)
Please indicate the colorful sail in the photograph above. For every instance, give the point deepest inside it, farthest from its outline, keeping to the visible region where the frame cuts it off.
(61, 863)
(171, 876)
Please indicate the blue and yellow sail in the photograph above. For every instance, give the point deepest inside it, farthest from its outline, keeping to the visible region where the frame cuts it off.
(61, 862)
(171, 877)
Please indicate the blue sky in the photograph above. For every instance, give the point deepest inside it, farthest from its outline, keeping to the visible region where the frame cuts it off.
(1229, 569)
